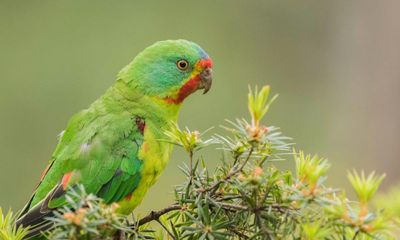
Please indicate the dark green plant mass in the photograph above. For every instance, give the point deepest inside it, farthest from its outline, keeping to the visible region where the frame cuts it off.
(245, 197)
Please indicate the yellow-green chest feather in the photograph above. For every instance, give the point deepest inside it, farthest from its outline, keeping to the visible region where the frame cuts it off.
(155, 154)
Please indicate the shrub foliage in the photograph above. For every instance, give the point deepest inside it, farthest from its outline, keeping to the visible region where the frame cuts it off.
(245, 197)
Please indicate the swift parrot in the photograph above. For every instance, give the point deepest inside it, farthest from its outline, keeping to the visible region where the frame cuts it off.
(113, 148)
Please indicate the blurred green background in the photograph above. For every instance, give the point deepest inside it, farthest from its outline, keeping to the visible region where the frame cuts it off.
(334, 63)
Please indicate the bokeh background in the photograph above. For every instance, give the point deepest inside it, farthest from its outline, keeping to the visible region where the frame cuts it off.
(335, 64)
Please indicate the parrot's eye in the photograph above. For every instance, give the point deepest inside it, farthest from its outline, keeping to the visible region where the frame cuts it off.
(182, 65)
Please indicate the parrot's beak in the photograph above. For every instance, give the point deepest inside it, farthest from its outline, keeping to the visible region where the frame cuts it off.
(206, 79)
(206, 74)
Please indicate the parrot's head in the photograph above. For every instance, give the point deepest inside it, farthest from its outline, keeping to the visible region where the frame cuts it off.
(170, 70)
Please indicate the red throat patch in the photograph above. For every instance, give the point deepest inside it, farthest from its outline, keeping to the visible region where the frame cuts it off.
(187, 89)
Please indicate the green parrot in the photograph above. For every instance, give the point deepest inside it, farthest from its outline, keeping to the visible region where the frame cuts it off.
(113, 148)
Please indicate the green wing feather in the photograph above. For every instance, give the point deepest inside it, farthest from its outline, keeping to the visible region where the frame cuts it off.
(99, 151)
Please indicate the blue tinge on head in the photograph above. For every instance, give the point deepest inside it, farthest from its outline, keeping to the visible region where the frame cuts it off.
(201, 52)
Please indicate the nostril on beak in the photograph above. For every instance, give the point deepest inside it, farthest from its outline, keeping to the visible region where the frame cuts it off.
(207, 73)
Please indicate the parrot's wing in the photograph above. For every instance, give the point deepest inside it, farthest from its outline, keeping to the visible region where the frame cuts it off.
(99, 152)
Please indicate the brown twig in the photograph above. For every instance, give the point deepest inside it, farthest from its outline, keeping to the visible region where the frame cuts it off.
(119, 235)
(231, 206)
(230, 174)
(356, 234)
(237, 232)
(155, 215)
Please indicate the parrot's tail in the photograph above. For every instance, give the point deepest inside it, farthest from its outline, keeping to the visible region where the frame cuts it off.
(36, 220)
(37, 217)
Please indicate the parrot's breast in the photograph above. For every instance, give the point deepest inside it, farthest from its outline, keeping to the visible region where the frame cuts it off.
(155, 155)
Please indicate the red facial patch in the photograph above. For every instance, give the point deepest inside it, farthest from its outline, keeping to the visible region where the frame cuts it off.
(206, 63)
(187, 89)
(192, 85)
